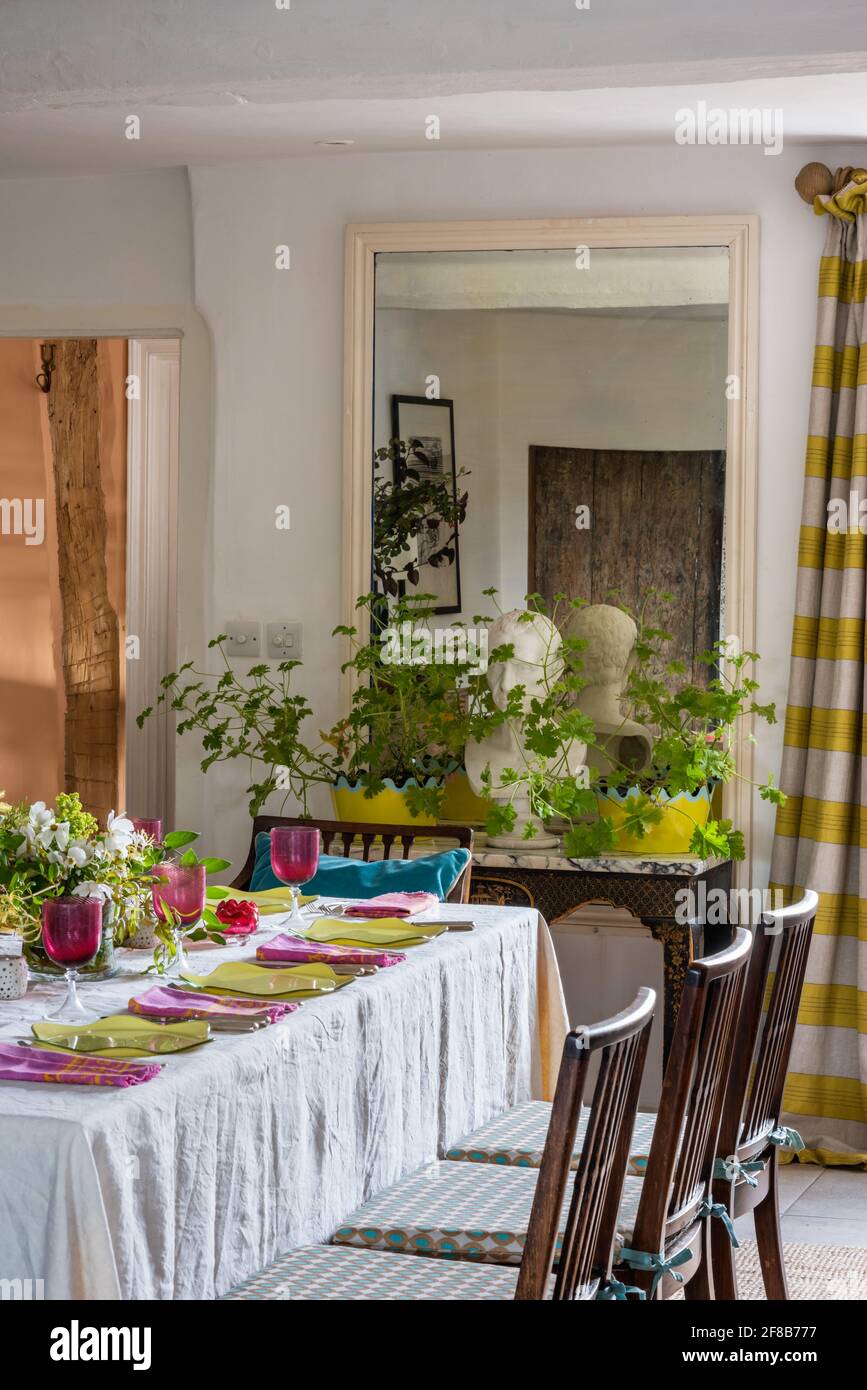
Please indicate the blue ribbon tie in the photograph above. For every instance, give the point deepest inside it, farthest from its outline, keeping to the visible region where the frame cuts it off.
(644, 1259)
(733, 1170)
(709, 1208)
(613, 1289)
(786, 1138)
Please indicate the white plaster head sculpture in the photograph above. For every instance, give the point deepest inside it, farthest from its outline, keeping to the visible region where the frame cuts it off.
(535, 664)
(608, 658)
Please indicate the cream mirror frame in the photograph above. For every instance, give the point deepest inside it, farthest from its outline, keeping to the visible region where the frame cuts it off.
(738, 233)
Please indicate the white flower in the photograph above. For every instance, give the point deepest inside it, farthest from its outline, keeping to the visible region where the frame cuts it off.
(89, 889)
(39, 817)
(119, 833)
(79, 853)
(61, 835)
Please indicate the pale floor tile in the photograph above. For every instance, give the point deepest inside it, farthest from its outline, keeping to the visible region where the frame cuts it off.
(837, 1195)
(794, 1179)
(818, 1206)
(824, 1230)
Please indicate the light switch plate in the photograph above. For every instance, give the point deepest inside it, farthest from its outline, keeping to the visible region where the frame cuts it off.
(283, 641)
(244, 639)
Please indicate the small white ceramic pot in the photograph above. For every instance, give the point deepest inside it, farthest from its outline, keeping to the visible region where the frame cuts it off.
(13, 977)
(145, 935)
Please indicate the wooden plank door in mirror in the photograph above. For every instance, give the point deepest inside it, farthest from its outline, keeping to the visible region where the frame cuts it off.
(613, 525)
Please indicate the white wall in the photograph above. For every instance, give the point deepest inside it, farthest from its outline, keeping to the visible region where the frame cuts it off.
(557, 379)
(278, 343)
(113, 256)
(118, 239)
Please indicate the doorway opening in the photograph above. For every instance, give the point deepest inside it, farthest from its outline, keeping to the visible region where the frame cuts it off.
(88, 499)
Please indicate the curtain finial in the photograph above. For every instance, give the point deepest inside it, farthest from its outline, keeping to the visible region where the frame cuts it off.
(813, 180)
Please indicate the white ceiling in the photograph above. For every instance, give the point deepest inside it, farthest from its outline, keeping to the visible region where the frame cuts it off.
(215, 80)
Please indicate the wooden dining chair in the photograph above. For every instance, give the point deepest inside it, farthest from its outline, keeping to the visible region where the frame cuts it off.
(586, 1249)
(746, 1168)
(347, 834)
(588, 1197)
(668, 1243)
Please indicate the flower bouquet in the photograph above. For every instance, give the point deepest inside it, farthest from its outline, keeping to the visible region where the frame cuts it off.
(53, 851)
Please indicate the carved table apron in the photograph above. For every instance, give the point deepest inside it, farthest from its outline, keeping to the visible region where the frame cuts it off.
(647, 888)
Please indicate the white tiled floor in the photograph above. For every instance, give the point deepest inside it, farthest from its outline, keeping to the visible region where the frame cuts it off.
(823, 1206)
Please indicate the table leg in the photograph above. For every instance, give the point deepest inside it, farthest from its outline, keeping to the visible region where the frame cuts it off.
(677, 943)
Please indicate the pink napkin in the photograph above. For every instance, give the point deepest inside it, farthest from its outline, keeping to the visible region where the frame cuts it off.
(182, 1004)
(295, 948)
(70, 1068)
(393, 905)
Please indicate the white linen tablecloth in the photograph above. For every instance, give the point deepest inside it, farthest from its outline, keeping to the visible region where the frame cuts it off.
(240, 1150)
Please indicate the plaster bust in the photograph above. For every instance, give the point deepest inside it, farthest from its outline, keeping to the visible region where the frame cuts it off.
(608, 658)
(535, 664)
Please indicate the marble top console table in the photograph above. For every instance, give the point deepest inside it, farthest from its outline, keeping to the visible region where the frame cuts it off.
(648, 888)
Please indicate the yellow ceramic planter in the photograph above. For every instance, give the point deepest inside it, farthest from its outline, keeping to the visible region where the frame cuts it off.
(461, 804)
(670, 836)
(388, 807)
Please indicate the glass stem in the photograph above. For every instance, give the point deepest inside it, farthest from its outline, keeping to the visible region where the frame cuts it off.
(296, 920)
(71, 992)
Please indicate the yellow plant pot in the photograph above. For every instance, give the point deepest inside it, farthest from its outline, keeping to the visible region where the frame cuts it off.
(461, 804)
(670, 836)
(388, 807)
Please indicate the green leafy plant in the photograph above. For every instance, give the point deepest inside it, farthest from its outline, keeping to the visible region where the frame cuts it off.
(409, 716)
(257, 717)
(694, 729)
(408, 507)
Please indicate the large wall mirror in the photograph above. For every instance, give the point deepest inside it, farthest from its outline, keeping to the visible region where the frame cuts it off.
(589, 387)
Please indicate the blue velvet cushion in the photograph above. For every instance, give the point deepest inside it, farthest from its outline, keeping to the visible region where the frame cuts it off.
(337, 877)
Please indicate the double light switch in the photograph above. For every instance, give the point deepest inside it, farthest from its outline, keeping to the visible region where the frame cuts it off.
(282, 641)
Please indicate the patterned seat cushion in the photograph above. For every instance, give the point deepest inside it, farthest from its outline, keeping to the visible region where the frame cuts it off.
(460, 1211)
(335, 1272)
(517, 1138)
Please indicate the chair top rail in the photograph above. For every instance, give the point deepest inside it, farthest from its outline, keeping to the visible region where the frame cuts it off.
(614, 1030)
(798, 912)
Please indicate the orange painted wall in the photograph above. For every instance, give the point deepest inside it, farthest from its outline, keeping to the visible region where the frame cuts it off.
(31, 702)
(31, 696)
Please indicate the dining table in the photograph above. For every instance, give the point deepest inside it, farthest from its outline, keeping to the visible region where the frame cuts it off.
(255, 1143)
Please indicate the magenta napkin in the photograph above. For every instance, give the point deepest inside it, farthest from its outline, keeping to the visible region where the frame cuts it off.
(295, 948)
(40, 1064)
(183, 1004)
(393, 905)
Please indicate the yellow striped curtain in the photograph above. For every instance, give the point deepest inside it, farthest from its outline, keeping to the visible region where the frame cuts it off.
(821, 832)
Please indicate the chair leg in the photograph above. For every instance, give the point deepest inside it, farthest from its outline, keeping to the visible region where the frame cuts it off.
(769, 1240)
(701, 1287)
(725, 1283)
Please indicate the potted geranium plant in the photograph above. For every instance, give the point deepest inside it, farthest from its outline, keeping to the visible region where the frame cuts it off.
(693, 727)
(255, 715)
(408, 722)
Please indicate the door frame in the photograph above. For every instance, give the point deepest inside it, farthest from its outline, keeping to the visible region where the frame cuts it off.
(151, 568)
(195, 417)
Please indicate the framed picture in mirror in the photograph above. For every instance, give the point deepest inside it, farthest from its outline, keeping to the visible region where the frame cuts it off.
(428, 429)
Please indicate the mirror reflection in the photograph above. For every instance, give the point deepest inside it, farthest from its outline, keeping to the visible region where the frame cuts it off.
(561, 418)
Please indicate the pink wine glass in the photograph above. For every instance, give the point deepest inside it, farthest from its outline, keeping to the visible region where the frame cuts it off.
(150, 825)
(294, 859)
(182, 890)
(71, 937)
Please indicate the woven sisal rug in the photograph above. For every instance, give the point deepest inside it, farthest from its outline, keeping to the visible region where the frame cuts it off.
(823, 1272)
